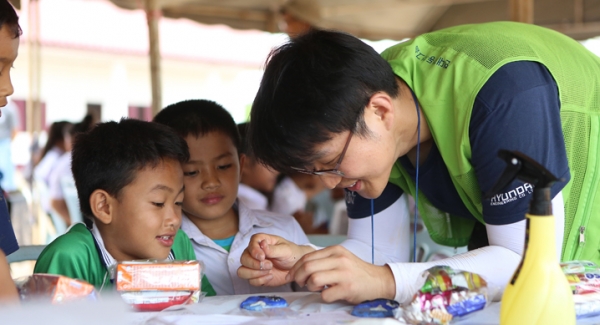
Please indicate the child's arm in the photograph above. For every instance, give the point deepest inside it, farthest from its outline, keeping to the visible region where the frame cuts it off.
(8, 289)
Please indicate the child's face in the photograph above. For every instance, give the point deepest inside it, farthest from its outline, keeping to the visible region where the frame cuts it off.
(147, 214)
(211, 176)
(9, 47)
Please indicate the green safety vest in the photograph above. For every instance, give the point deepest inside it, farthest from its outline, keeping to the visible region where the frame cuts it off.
(447, 68)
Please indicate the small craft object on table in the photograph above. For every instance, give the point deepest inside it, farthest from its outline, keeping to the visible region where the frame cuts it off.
(259, 303)
(445, 295)
(54, 288)
(375, 308)
(155, 285)
(584, 279)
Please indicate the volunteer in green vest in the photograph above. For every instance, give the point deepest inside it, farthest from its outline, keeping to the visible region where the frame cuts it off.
(436, 109)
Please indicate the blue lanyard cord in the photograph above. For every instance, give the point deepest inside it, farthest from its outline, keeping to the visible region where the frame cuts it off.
(416, 195)
(372, 232)
(417, 176)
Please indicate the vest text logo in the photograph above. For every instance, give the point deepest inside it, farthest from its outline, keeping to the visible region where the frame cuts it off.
(513, 195)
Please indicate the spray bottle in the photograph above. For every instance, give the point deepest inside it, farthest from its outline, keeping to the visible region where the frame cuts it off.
(538, 292)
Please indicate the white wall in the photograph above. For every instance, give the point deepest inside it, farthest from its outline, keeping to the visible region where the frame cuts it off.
(71, 78)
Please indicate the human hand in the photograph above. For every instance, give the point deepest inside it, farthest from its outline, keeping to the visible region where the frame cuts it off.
(267, 259)
(343, 276)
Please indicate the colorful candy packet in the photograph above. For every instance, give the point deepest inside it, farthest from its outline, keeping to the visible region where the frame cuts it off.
(154, 285)
(446, 295)
(584, 278)
(54, 288)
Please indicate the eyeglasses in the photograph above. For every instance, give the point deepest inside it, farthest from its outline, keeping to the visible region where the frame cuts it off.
(333, 171)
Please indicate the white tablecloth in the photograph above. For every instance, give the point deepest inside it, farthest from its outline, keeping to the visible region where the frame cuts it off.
(304, 308)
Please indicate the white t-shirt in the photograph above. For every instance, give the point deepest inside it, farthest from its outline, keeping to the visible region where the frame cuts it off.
(41, 174)
(62, 169)
(288, 198)
(252, 198)
(43, 169)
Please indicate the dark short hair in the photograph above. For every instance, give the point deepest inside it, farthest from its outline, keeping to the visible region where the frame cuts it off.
(244, 145)
(314, 86)
(8, 17)
(109, 156)
(199, 117)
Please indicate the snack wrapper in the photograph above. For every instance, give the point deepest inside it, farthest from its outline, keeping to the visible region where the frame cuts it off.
(54, 288)
(584, 279)
(154, 286)
(445, 295)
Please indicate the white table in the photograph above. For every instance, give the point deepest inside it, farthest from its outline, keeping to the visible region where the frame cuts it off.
(304, 308)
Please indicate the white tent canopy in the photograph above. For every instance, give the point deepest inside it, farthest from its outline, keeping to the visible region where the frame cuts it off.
(394, 19)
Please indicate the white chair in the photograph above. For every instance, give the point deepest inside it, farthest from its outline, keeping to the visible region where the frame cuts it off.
(26, 253)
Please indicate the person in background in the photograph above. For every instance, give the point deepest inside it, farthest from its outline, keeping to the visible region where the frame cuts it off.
(10, 31)
(437, 109)
(130, 185)
(256, 181)
(59, 142)
(62, 170)
(293, 195)
(219, 225)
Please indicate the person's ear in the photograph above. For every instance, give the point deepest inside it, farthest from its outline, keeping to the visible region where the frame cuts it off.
(102, 205)
(381, 109)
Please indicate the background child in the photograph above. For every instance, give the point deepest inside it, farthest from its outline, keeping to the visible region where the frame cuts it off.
(130, 184)
(294, 194)
(62, 169)
(257, 181)
(219, 228)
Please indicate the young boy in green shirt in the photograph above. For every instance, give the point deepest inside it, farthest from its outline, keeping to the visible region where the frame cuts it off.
(129, 181)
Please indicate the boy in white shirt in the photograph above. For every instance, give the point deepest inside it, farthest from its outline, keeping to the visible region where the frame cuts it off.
(218, 225)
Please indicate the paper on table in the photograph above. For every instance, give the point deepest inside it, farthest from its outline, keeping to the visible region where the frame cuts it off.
(199, 319)
(327, 318)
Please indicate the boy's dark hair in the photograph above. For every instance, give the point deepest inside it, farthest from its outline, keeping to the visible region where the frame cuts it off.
(314, 86)
(108, 156)
(199, 117)
(244, 145)
(9, 18)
